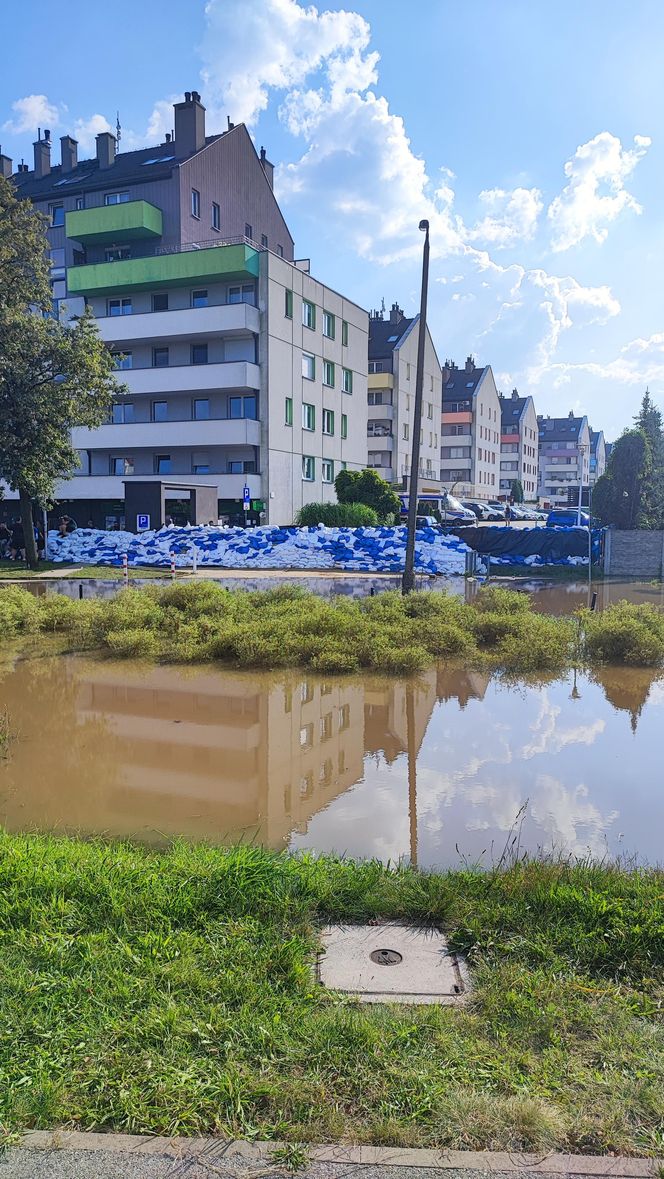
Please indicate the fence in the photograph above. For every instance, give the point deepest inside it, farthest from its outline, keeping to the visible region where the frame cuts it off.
(633, 553)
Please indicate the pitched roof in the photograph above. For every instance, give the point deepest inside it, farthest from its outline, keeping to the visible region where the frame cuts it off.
(595, 436)
(461, 384)
(384, 336)
(129, 167)
(559, 429)
(511, 409)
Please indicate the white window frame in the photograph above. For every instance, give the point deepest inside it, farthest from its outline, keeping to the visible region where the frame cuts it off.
(308, 468)
(308, 416)
(308, 369)
(327, 466)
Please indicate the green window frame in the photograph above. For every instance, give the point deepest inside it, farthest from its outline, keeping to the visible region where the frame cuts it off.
(327, 470)
(308, 314)
(308, 416)
(344, 425)
(328, 421)
(308, 468)
(328, 373)
(308, 366)
(344, 332)
(347, 380)
(288, 412)
(288, 303)
(329, 325)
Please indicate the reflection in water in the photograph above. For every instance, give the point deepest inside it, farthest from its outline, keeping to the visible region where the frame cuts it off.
(391, 768)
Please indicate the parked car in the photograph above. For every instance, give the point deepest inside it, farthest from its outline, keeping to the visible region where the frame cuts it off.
(426, 522)
(453, 511)
(567, 518)
(479, 510)
(498, 509)
(515, 512)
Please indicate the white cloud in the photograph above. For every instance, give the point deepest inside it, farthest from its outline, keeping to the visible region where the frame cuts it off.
(596, 193)
(511, 217)
(32, 112)
(640, 362)
(85, 131)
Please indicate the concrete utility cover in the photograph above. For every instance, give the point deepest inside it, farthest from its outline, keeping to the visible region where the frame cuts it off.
(391, 964)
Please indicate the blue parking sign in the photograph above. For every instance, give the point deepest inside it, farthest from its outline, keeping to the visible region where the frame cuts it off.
(246, 498)
(142, 522)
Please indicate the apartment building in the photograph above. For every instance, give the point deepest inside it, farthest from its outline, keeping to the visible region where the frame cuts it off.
(598, 456)
(470, 431)
(518, 445)
(243, 370)
(393, 344)
(564, 457)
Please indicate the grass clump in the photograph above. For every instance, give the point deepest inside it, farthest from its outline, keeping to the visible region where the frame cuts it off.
(190, 974)
(624, 633)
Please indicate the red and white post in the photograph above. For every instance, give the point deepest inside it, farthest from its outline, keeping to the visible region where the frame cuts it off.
(125, 568)
(172, 563)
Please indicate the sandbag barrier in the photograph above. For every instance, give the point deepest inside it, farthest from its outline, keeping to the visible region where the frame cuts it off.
(532, 547)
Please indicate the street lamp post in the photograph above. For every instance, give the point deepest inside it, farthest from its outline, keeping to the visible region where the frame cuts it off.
(408, 582)
(582, 451)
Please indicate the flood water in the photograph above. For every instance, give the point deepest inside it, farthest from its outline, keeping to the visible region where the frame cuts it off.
(433, 770)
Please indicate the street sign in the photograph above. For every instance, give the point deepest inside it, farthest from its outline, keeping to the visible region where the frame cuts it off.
(142, 522)
(246, 498)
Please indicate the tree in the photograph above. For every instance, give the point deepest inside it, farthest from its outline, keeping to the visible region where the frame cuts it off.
(617, 495)
(367, 487)
(516, 491)
(52, 377)
(24, 261)
(649, 421)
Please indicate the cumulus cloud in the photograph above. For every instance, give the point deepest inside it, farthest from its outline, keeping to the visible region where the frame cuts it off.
(596, 193)
(511, 217)
(85, 130)
(32, 112)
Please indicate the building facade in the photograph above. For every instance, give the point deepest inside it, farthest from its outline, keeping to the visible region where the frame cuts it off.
(564, 458)
(242, 370)
(518, 445)
(598, 456)
(393, 342)
(470, 431)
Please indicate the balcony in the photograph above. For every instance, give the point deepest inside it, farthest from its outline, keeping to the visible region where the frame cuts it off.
(460, 417)
(112, 486)
(381, 411)
(216, 263)
(111, 224)
(237, 319)
(380, 430)
(380, 381)
(192, 378)
(157, 435)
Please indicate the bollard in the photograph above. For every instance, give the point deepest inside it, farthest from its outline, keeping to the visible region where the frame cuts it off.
(80, 589)
(172, 563)
(593, 600)
(125, 568)
(194, 563)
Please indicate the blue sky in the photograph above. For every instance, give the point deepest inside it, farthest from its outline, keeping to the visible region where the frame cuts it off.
(527, 133)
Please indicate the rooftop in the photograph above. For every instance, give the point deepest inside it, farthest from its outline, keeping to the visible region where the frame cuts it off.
(560, 429)
(511, 408)
(386, 334)
(461, 383)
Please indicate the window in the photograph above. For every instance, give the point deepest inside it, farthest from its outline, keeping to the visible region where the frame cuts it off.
(216, 215)
(199, 353)
(280, 251)
(308, 366)
(159, 411)
(116, 198)
(242, 407)
(327, 468)
(201, 408)
(376, 366)
(160, 357)
(328, 373)
(308, 416)
(344, 332)
(162, 464)
(200, 462)
(195, 203)
(451, 431)
(122, 359)
(328, 421)
(117, 254)
(325, 727)
(122, 466)
(430, 411)
(308, 468)
(122, 413)
(243, 294)
(248, 231)
(57, 263)
(199, 298)
(264, 241)
(80, 202)
(79, 257)
(288, 412)
(308, 314)
(406, 431)
(407, 372)
(241, 467)
(118, 307)
(344, 466)
(328, 325)
(160, 301)
(347, 380)
(344, 717)
(57, 214)
(288, 304)
(344, 425)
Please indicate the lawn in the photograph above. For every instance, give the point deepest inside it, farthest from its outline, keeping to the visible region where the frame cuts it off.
(10, 570)
(174, 993)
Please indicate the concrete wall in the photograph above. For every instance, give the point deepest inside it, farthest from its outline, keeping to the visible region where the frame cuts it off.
(486, 437)
(633, 553)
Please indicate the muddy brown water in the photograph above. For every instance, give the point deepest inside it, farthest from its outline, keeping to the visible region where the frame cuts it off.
(456, 764)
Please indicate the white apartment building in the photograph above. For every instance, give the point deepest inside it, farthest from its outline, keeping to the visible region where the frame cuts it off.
(393, 345)
(564, 458)
(518, 445)
(470, 431)
(598, 456)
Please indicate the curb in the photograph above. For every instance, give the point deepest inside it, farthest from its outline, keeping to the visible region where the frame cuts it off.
(260, 1155)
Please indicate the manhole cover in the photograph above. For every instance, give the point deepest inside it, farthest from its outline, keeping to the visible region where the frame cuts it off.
(386, 957)
(351, 958)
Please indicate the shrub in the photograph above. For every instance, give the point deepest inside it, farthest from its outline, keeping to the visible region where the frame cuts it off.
(337, 516)
(538, 643)
(497, 600)
(19, 610)
(131, 610)
(624, 633)
(135, 641)
(56, 612)
(194, 598)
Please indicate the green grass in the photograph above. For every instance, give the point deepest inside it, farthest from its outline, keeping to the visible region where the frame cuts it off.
(12, 570)
(174, 993)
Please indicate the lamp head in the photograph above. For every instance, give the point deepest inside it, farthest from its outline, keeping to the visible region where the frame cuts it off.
(424, 225)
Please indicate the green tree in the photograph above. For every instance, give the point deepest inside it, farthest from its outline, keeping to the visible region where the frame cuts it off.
(53, 377)
(617, 495)
(24, 261)
(516, 491)
(649, 421)
(367, 487)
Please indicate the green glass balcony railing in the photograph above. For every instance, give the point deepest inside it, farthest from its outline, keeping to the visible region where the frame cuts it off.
(178, 268)
(109, 224)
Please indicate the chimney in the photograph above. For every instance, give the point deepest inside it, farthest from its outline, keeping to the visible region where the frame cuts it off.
(6, 166)
(396, 314)
(68, 153)
(106, 145)
(42, 154)
(189, 124)
(470, 364)
(571, 413)
(515, 394)
(268, 168)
